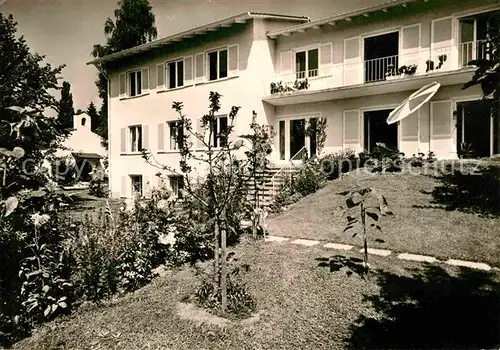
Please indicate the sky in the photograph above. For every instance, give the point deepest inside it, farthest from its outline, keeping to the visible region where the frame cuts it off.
(66, 30)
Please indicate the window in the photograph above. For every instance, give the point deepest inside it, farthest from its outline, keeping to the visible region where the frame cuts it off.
(176, 133)
(176, 185)
(136, 181)
(217, 64)
(175, 74)
(219, 130)
(306, 64)
(135, 133)
(134, 83)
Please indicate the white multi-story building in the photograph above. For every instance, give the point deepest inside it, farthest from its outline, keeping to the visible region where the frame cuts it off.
(348, 60)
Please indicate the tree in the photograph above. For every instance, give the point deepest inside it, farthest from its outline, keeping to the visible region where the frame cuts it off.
(66, 110)
(134, 25)
(316, 130)
(26, 83)
(487, 74)
(25, 96)
(219, 199)
(94, 117)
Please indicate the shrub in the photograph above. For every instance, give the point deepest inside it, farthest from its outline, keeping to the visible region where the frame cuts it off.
(96, 186)
(117, 252)
(308, 180)
(94, 269)
(386, 159)
(240, 302)
(284, 197)
(34, 279)
(337, 163)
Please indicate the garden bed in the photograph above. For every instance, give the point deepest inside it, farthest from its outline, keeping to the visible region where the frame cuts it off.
(305, 303)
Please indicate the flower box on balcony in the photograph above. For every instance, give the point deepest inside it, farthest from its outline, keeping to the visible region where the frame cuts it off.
(395, 77)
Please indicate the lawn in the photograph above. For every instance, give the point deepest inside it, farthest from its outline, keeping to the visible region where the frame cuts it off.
(425, 221)
(305, 302)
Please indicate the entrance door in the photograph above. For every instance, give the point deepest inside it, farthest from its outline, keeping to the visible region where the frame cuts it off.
(297, 138)
(474, 128)
(376, 130)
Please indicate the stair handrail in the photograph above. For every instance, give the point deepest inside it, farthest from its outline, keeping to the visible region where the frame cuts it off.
(284, 167)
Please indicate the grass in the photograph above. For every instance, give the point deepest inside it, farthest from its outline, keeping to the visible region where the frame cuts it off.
(420, 225)
(305, 302)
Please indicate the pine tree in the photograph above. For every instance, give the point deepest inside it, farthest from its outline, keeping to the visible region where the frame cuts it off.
(66, 111)
(94, 117)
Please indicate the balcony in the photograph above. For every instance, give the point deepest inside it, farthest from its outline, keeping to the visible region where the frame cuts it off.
(447, 65)
(471, 50)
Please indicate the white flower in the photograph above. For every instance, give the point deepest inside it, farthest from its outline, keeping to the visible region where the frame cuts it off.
(168, 238)
(162, 204)
(129, 205)
(40, 220)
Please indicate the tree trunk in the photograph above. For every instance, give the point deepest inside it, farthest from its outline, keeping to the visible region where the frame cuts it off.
(224, 262)
(216, 254)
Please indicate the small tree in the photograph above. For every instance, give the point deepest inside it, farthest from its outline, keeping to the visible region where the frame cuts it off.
(215, 195)
(316, 129)
(261, 141)
(372, 205)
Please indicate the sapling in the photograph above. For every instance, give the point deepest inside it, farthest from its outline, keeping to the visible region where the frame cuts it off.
(366, 219)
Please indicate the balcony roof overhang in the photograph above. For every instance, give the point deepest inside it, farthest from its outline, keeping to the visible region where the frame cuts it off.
(201, 30)
(347, 16)
(370, 89)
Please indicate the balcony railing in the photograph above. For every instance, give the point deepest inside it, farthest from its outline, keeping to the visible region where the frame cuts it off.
(436, 59)
(471, 50)
(376, 69)
(311, 73)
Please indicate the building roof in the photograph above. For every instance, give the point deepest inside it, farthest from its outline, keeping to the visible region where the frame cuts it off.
(201, 30)
(346, 16)
(87, 155)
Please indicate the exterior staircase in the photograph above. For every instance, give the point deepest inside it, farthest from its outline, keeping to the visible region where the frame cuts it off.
(271, 182)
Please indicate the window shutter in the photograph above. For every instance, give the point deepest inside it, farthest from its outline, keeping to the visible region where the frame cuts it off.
(352, 130)
(123, 190)
(199, 68)
(410, 44)
(409, 126)
(441, 140)
(161, 137)
(286, 62)
(409, 134)
(123, 84)
(188, 71)
(325, 58)
(352, 62)
(160, 76)
(145, 79)
(145, 136)
(123, 140)
(442, 40)
(233, 60)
